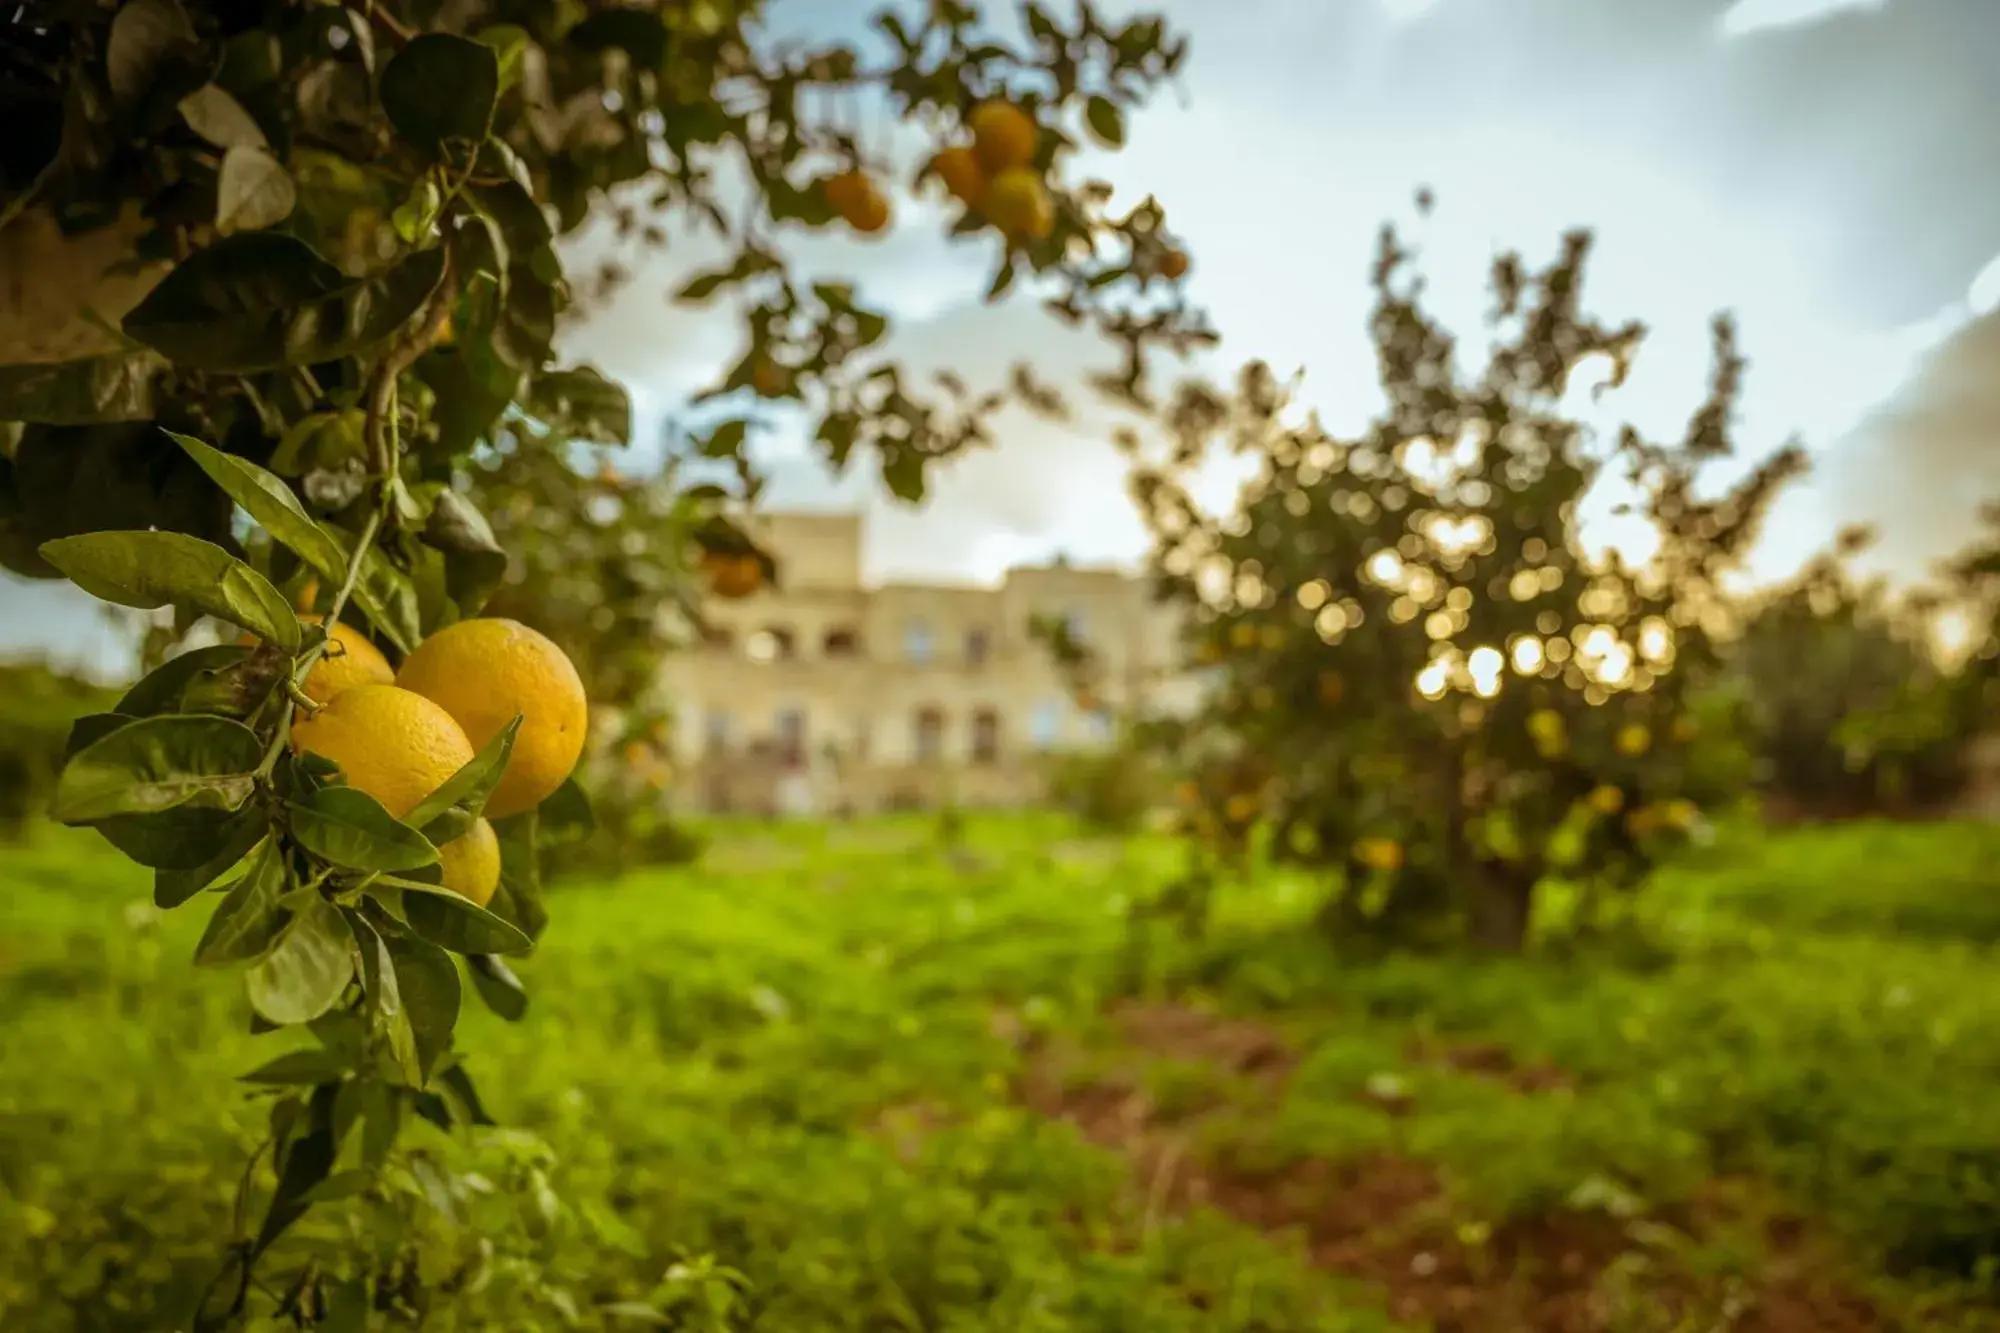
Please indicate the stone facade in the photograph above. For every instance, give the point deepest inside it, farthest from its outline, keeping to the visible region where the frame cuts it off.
(829, 694)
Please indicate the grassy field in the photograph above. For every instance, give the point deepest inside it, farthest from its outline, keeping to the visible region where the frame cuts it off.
(849, 1078)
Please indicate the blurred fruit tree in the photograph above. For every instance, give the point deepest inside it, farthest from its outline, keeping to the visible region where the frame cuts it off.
(1419, 673)
(284, 287)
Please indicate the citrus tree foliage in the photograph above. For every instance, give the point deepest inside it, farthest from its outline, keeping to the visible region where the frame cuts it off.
(37, 705)
(1850, 708)
(285, 285)
(1420, 675)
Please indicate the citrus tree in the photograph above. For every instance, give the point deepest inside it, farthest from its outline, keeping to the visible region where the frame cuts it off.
(1419, 673)
(285, 281)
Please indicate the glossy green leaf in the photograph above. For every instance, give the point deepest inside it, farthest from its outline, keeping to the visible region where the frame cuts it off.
(248, 919)
(171, 888)
(178, 839)
(459, 1084)
(440, 87)
(427, 980)
(155, 569)
(583, 405)
(387, 1018)
(452, 921)
(519, 898)
(253, 191)
(304, 974)
(349, 828)
(467, 789)
(260, 300)
(474, 561)
(498, 986)
(146, 36)
(159, 763)
(266, 498)
(159, 691)
(219, 118)
(91, 728)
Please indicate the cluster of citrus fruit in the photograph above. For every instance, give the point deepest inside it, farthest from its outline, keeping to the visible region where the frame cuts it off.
(994, 175)
(399, 734)
(732, 574)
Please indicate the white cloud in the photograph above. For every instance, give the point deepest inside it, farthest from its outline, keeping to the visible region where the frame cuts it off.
(1748, 16)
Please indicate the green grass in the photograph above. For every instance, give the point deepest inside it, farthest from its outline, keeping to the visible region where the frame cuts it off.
(785, 1057)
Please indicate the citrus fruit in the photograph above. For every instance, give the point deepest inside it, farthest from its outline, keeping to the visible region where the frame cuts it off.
(768, 378)
(1634, 740)
(349, 660)
(1003, 136)
(1019, 205)
(1607, 800)
(396, 745)
(1173, 265)
(733, 576)
(962, 175)
(471, 863)
(1240, 808)
(1379, 853)
(484, 673)
(853, 196)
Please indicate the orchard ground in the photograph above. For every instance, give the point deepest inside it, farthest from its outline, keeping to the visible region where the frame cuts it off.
(896, 1082)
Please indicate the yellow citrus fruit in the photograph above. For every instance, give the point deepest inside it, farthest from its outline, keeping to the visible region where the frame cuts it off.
(962, 175)
(1607, 800)
(349, 660)
(1680, 813)
(396, 745)
(856, 199)
(1019, 205)
(1174, 265)
(1379, 853)
(471, 863)
(487, 671)
(1003, 136)
(1634, 740)
(308, 594)
(732, 576)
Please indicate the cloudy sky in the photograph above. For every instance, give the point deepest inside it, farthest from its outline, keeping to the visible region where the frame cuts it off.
(1828, 169)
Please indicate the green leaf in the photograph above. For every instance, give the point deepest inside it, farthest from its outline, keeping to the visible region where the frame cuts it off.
(158, 763)
(81, 393)
(261, 300)
(466, 790)
(304, 975)
(454, 922)
(159, 691)
(498, 986)
(90, 729)
(153, 569)
(441, 87)
(339, 1185)
(582, 404)
(178, 839)
(349, 828)
(510, 43)
(459, 1084)
(1106, 121)
(428, 982)
(310, 1066)
(382, 1116)
(253, 191)
(519, 899)
(219, 118)
(307, 1163)
(248, 918)
(146, 36)
(386, 1015)
(267, 499)
(704, 285)
(474, 561)
(171, 888)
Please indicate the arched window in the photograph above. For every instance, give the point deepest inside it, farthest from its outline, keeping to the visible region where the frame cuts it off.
(986, 736)
(978, 645)
(840, 643)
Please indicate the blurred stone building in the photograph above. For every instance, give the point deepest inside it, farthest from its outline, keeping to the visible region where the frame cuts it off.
(828, 694)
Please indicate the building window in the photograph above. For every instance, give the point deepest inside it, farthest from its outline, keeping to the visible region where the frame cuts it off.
(715, 732)
(985, 736)
(791, 736)
(918, 645)
(978, 645)
(1045, 724)
(928, 742)
(841, 643)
